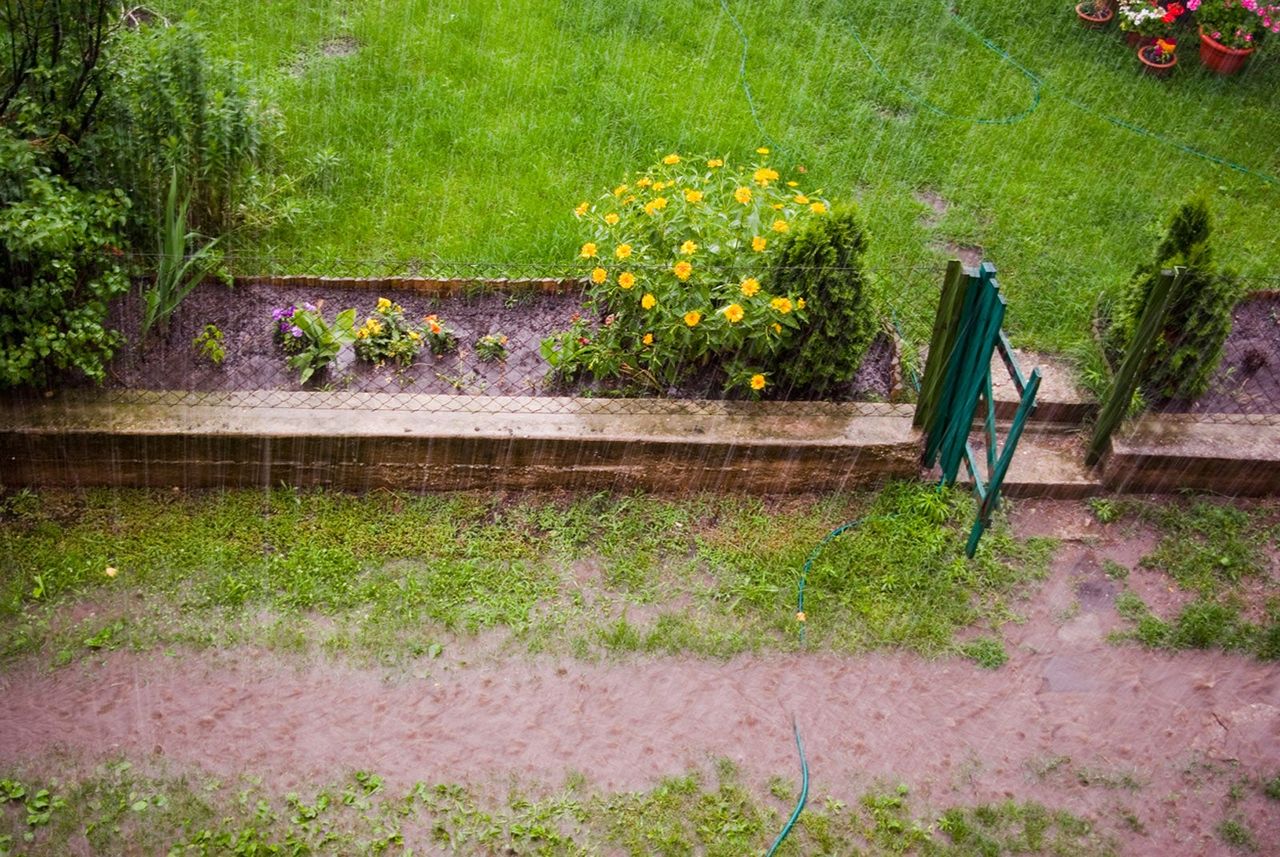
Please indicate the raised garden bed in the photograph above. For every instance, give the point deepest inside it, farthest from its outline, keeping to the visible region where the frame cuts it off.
(525, 311)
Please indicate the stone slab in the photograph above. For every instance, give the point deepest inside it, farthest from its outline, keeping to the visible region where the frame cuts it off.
(1059, 400)
(1048, 463)
(1231, 454)
(367, 441)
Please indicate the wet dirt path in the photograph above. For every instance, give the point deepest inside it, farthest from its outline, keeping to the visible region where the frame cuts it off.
(1071, 720)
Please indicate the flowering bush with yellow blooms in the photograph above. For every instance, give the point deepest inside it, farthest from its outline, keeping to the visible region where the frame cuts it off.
(387, 336)
(678, 265)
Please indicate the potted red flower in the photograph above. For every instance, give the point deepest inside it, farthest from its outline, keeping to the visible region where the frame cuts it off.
(1144, 21)
(1158, 59)
(1231, 30)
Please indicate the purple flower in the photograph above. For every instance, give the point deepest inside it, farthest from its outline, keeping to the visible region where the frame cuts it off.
(296, 331)
(309, 307)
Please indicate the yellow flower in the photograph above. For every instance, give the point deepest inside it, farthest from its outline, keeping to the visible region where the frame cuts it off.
(414, 335)
(673, 158)
(734, 313)
(110, 571)
(764, 175)
(611, 218)
(778, 206)
(648, 301)
(620, 190)
(757, 381)
(623, 251)
(682, 270)
(742, 195)
(655, 205)
(362, 333)
(793, 184)
(588, 250)
(375, 326)
(750, 286)
(581, 209)
(800, 303)
(692, 317)
(648, 339)
(599, 275)
(715, 162)
(782, 305)
(688, 248)
(818, 208)
(660, 185)
(758, 244)
(802, 199)
(781, 226)
(644, 182)
(629, 200)
(626, 280)
(762, 151)
(383, 304)
(693, 196)
(777, 328)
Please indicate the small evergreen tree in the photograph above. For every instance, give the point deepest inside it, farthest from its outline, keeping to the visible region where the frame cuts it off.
(823, 263)
(1189, 347)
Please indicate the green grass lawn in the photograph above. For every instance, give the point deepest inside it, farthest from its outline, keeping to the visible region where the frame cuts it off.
(468, 131)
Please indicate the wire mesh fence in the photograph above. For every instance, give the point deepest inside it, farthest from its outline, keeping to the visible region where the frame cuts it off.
(232, 346)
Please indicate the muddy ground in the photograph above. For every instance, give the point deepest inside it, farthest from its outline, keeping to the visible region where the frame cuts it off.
(1107, 731)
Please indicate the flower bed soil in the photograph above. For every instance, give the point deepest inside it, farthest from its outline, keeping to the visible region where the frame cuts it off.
(525, 315)
(1247, 381)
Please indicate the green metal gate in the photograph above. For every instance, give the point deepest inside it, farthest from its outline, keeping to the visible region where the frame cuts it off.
(957, 383)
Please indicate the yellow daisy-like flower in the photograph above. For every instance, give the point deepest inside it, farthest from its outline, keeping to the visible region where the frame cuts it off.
(415, 336)
(673, 158)
(758, 244)
(688, 248)
(611, 218)
(648, 339)
(588, 250)
(800, 303)
(793, 184)
(818, 208)
(362, 334)
(778, 206)
(762, 151)
(757, 381)
(802, 199)
(682, 270)
(626, 280)
(693, 196)
(629, 200)
(742, 195)
(692, 317)
(660, 203)
(781, 226)
(383, 304)
(623, 251)
(750, 286)
(782, 305)
(644, 181)
(715, 162)
(620, 190)
(648, 301)
(599, 275)
(661, 185)
(777, 328)
(375, 326)
(764, 175)
(581, 209)
(734, 313)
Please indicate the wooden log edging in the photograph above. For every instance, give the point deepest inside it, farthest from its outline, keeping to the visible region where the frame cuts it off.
(440, 287)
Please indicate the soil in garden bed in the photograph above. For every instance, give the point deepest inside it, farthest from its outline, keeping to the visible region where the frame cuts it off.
(1247, 381)
(253, 360)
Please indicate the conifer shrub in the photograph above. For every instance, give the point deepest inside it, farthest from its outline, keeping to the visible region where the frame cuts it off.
(822, 262)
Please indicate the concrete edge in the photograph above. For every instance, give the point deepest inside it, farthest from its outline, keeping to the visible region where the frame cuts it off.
(1162, 453)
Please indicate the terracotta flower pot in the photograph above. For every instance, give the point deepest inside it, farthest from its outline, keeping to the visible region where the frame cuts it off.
(1221, 59)
(1096, 20)
(1134, 39)
(1156, 69)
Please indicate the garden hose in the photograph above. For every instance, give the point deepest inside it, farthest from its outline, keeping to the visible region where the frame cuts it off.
(1039, 88)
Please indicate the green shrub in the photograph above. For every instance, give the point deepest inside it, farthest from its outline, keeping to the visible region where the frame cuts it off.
(311, 342)
(822, 263)
(60, 269)
(1188, 350)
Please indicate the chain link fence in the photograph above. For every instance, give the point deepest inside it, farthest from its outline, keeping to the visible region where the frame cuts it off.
(223, 345)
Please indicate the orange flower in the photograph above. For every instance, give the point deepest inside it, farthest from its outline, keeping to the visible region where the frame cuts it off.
(757, 381)
(692, 317)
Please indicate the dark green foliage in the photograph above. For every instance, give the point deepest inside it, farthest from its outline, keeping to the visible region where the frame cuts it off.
(1190, 346)
(822, 262)
(58, 270)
